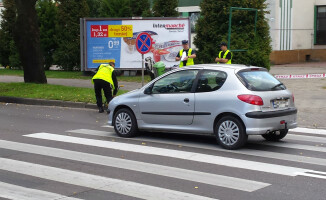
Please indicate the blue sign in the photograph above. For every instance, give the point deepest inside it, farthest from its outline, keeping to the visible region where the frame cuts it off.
(101, 48)
(143, 43)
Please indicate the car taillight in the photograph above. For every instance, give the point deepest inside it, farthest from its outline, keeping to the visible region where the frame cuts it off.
(251, 99)
(293, 98)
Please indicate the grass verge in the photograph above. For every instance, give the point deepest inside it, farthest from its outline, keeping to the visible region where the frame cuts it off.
(71, 75)
(49, 92)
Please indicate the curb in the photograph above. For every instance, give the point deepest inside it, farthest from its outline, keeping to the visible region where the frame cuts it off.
(43, 102)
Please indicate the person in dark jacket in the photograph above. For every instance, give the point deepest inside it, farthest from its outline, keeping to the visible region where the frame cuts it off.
(105, 79)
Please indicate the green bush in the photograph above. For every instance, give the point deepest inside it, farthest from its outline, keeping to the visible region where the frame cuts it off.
(14, 60)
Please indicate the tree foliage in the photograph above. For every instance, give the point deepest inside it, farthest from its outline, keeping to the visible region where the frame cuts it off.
(140, 8)
(27, 39)
(212, 29)
(165, 8)
(47, 16)
(94, 7)
(67, 35)
(115, 8)
(6, 31)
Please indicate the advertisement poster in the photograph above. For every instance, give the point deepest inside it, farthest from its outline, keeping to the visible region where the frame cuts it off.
(114, 40)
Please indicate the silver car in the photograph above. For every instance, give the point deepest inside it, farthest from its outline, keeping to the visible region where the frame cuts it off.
(227, 101)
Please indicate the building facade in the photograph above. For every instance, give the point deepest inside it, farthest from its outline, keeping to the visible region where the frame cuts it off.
(297, 28)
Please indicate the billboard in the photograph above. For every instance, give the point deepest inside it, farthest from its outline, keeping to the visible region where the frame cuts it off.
(113, 40)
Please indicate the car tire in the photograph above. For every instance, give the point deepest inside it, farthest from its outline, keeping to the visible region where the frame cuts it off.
(275, 137)
(125, 123)
(230, 133)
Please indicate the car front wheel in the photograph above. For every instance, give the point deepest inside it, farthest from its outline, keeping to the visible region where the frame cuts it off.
(230, 133)
(275, 136)
(125, 124)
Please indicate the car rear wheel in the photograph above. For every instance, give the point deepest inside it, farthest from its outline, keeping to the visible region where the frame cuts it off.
(230, 133)
(274, 136)
(125, 124)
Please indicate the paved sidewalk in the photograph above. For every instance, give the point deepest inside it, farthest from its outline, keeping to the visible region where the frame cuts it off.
(310, 97)
(70, 82)
(299, 68)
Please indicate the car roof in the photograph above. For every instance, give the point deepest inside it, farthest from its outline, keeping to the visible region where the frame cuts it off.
(225, 66)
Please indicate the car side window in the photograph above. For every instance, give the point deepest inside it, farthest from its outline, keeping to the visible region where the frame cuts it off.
(178, 82)
(211, 80)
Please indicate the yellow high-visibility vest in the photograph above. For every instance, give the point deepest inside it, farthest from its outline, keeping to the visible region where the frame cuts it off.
(224, 56)
(105, 73)
(190, 61)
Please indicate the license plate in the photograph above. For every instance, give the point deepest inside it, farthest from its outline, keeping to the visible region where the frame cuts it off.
(280, 103)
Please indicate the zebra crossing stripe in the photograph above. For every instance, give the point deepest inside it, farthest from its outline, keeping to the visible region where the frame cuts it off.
(206, 178)
(14, 192)
(251, 152)
(123, 187)
(191, 156)
(309, 130)
(306, 138)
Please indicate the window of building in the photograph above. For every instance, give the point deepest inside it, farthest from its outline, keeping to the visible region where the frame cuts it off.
(321, 25)
(194, 16)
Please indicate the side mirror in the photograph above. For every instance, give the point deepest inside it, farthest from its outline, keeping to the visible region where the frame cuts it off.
(148, 90)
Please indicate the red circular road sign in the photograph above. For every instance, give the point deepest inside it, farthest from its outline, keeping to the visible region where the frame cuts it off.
(144, 43)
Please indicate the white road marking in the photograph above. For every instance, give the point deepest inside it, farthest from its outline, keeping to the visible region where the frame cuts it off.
(206, 178)
(15, 192)
(96, 182)
(107, 126)
(197, 157)
(309, 130)
(296, 146)
(90, 132)
(306, 138)
(251, 152)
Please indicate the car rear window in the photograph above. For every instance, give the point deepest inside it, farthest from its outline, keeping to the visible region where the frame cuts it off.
(260, 81)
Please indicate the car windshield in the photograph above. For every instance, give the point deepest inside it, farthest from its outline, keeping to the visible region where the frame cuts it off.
(260, 81)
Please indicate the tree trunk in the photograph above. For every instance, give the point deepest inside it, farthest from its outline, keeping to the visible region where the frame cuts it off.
(27, 38)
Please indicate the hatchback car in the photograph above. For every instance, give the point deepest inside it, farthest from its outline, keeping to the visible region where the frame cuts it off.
(227, 101)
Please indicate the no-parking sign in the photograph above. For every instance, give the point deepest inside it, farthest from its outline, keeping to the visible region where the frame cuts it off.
(144, 43)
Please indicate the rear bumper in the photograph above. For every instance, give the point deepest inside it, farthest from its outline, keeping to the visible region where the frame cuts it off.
(258, 123)
(272, 114)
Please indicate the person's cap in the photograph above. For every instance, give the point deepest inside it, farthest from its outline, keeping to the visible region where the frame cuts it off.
(184, 41)
(223, 44)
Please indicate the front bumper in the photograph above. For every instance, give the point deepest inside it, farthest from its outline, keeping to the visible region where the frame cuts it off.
(110, 115)
(258, 123)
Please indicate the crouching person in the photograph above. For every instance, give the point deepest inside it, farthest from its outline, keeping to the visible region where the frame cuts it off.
(105, 79)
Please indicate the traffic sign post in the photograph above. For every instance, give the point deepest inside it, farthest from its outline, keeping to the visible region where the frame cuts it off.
(144, 44)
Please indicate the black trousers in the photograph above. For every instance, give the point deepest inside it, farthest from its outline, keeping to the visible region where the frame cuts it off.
(100, 84)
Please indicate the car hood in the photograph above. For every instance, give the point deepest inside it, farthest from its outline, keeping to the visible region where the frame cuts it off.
(127, 95)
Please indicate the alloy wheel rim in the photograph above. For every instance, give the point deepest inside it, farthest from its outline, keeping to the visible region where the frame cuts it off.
(123, 123)
(228, 133)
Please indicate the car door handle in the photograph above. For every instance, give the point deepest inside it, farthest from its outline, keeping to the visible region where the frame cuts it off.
(186, 100)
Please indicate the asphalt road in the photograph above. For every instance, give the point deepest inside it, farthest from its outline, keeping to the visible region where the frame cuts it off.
(62, 153)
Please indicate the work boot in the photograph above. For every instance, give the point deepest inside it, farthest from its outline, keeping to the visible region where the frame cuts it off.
(100, 110)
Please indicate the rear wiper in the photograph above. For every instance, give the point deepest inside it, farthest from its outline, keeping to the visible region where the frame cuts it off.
(276, 86)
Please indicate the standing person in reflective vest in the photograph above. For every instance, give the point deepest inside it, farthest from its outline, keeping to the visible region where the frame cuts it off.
(225, 55)
(105, 79)
(186, 55)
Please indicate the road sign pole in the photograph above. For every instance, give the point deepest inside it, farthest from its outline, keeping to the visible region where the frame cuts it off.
(142, 70)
